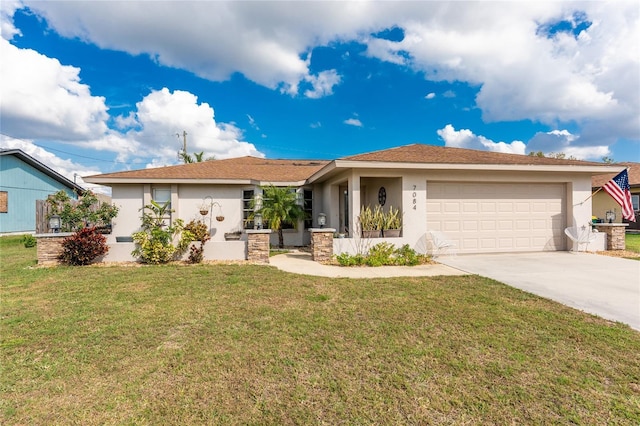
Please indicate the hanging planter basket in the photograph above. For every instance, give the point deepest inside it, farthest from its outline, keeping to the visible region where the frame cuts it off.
(204, 212)
(219, 218)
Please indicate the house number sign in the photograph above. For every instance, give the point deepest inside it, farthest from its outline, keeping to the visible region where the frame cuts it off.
(382, 196)
(414, 199)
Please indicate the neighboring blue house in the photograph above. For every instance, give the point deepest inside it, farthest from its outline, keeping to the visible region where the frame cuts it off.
(23, 180)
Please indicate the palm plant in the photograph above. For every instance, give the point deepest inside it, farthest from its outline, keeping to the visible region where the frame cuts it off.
(279, 205)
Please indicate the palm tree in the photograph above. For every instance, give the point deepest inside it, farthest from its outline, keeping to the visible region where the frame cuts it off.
(198, 157)
(279, 206)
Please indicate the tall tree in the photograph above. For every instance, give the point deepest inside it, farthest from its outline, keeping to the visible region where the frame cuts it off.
(279, 205)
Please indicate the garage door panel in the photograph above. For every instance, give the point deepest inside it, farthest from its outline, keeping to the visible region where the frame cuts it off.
(497, 217)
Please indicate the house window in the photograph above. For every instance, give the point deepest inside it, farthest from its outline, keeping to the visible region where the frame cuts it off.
(247, 201)
(635, 201)
(308, 208)
(162, 196)
(4, 202)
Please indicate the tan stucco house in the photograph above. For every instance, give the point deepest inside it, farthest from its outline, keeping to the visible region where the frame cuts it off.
(485, 202)
(602, 202)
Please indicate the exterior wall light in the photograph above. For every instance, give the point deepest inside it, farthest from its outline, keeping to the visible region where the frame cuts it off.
(322, 220)
(55, 223)
(257, 220)
(610, 215)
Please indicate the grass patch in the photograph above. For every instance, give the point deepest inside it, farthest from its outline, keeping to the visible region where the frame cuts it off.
(632, 242)
(246, 344)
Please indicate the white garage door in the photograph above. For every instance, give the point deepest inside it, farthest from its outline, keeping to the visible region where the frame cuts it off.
(498, 217)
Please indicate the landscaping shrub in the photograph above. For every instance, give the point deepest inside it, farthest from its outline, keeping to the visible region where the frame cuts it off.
(380, 254)
(154, 244)
(346, 259)
(384, 254)
(83, 247)
(196, 231)
(29, 241)
(405, 255)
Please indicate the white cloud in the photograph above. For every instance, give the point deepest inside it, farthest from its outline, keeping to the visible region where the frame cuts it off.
(322, 84)
(562, 141)
(353, 122)
(163, 116)
(43, 98)
(430, 95)
(7, 29)
(464, 138)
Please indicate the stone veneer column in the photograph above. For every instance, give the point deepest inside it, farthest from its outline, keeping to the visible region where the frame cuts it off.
(615, 234)
(258, 245)
(322, 244)
(49, 247)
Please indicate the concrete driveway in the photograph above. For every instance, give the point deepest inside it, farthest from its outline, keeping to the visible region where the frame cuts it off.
(605, 286)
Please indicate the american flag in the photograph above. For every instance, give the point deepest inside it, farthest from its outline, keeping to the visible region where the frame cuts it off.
(619, 189)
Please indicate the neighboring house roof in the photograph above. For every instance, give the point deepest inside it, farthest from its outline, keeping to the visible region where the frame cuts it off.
(633, 169)
(252, 170)
(233, 170)
(44, 169)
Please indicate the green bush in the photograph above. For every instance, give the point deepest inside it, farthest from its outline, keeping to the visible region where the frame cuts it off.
(196, 231)
(380, 254)
(405, 255)
(346, 259)
(29, 241)
(154, 244)
(383, 254)
(83, 247)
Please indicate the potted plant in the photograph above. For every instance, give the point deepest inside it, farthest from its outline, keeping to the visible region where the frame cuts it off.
(392, 223)
(370, 221)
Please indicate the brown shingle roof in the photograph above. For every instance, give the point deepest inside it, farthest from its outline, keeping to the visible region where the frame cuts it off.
(634, 175)
(419, 153)
(242, 168)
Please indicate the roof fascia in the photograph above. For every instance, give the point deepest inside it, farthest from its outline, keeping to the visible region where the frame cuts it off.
(328, 168)
(489, 167)
(115, 181)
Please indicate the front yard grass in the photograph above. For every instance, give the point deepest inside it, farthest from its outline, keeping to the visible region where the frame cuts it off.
(632, 242)
(246, 344)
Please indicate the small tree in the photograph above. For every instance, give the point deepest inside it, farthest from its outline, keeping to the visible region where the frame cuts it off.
(279, 205)
(87, 211)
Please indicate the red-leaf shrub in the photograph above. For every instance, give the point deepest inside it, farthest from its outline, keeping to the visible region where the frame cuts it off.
(83, 247)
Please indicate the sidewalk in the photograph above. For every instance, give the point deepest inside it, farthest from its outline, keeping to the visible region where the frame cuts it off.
(301, 263)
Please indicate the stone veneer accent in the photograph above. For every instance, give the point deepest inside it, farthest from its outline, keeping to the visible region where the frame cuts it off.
(322, 244)
(258, 245)
(615, 234)
(49, 247)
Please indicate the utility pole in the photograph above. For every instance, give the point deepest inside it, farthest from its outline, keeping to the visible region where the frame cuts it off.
(184, 138)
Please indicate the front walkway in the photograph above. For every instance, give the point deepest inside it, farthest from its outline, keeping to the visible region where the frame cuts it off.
(301, 263)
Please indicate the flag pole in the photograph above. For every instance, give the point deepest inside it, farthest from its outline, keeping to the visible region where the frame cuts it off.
(585, 200)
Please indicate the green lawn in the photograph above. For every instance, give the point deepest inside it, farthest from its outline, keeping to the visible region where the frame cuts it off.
(236, 344)
(632, 242)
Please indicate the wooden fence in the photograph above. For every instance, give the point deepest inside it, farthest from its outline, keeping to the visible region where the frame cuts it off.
(43, 209)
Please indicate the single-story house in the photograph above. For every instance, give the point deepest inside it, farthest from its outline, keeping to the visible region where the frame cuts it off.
(23, 181)
(485, 202)
(602, 202)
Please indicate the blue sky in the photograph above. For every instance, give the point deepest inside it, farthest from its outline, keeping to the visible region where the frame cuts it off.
(93, 87)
